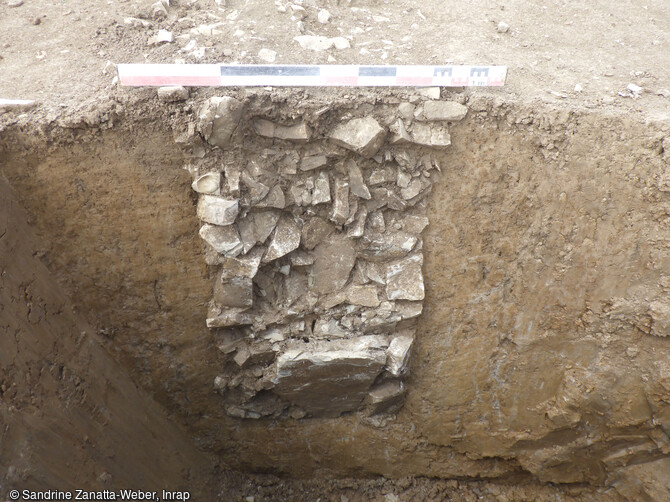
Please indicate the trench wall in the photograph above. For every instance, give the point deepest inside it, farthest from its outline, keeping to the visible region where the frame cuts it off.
(541, 348)
(70, 416)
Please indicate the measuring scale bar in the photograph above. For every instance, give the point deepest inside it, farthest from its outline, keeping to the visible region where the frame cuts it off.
(217, 75)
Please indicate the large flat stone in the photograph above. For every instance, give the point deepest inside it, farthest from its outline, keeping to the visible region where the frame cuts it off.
(330, 378)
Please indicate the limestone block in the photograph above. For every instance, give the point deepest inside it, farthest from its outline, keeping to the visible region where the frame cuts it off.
(334, 259)
(286, 238)
(420, 134)
(385, 398)
(397, 354)
(217, 210)
(357, 184)
(444, 110)
(389, 245)
(172, 93)
(362, 135)
(275, 198)
(224, 240)
(341, 202)
(233, 291)
(313, 162)
(330, 378)
(321, 191)
(218, 317)
(300, 132)
(218, 119)
(256, 227)
(404, 281)
(365, 296)
(314, 231)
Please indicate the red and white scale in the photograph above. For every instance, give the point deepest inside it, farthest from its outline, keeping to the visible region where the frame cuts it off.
(310, 75)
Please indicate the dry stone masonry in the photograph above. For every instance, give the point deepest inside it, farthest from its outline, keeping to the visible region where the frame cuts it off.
(314, 228)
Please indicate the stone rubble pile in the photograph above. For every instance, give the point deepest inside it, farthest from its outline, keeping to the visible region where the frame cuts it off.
(317, 237)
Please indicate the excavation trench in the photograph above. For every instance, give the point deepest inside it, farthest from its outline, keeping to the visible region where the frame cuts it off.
(471, 290)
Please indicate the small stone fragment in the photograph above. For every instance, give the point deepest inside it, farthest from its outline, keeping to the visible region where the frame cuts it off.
(135, 22)
(14, 3)
(341, 203)
(172, 93)
(286, 238)
(397, 354)
(162, 37)
(341, 43)
(207, 183)
(328, 329)
(413, 189)
(218, 317)
(323, 16)
(377, 222)
(503, 27)
(406, 111)
(159, 9)
(404, 281)
(224, 240)
(403, 179)
(300, 132)
(218, 119)
(429, 92)
(357, 228)
(314, 42)
(444, 110)
(389, 245)
(314, 231)
(386, 398)
(217, 210)
(382, 175)
(356, 182)
(257, 190)
(362, 135)
(242, 356)
(267, 55)
(233, 174)
(321, 191)
(301, 258)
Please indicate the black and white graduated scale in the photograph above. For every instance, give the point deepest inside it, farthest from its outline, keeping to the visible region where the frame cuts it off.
(310, 75)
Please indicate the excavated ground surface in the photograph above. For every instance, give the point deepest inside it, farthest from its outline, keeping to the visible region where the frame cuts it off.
(540, 354)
